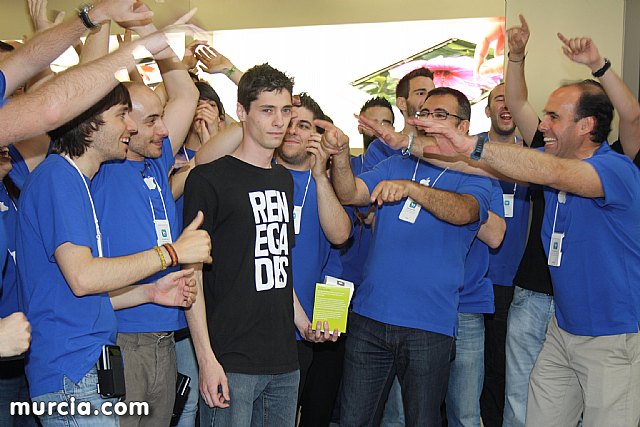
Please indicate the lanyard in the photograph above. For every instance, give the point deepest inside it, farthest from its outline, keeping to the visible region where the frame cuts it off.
(93, 208)
(562, 198)
(186, 155)
(152, 179)
(304, 198)
(413, 178)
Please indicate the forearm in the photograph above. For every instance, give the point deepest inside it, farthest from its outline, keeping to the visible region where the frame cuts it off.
(344, 182)
(130, 296)
(197, 320)
(178, 179)
(88, 275)
(334, 220)
(21, 65)
(517, 99)
(522, 164)
(220, 145)
(456, 209)
(61, 98)
(492, 231)
(300, 318)
(96, 45)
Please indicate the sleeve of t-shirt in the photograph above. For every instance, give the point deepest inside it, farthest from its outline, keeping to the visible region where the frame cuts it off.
(199, 195)
(497, 204)
(620, 180)
(380, 172)
(3, 87)
(377, 152)
(63, 215)
(480, 188)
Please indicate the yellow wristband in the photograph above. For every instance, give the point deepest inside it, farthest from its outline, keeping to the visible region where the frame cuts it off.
(230, 71)
(162, 260)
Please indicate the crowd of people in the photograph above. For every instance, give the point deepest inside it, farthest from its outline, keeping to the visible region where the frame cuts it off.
(148, 238)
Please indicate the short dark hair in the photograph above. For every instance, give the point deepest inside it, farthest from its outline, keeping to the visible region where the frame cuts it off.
(74, 137)
(261, 78)
(6, 47)
(207, 93)
(378, 101)
(402, 88)
(464, 107)
(310, 104)
(491, 93)
(594, 102)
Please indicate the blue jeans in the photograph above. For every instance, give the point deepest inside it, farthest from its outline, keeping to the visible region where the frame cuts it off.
(527, 324)
(375, 352)
(256, 400)
(188, 365)
(13, 388)
(393, 410)
(83, 391)
(467, 372)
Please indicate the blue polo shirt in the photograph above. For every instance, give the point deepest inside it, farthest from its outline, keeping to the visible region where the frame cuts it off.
(354, 253)
(377, 152)
(124, 203)
(414, 272)
(311, 250)
(477, 293)
(597, 285)
(67, 332)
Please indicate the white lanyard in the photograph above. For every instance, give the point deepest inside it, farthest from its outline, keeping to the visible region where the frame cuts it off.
(413, 178)
(166, 217)
(186, 155)
(562, 198)
(93, 208)
(304, 198)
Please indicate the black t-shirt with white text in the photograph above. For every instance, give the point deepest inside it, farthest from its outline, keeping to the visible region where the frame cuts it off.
(248, 212)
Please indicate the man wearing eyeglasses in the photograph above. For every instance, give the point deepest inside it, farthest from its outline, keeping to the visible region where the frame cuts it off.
(405, 311)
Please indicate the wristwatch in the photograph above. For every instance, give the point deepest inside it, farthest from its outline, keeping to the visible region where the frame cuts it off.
(83, 13)
(600, 72)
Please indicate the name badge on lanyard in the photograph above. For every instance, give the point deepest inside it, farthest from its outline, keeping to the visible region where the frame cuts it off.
(555, 245)
(297, 217)
(163, 230)
(163, 233)
(507, 202)
(411, 208)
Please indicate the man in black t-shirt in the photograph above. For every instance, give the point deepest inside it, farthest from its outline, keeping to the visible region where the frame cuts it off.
(242, 329)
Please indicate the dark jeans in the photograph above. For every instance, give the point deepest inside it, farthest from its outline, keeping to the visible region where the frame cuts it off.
(495, 337)
(375, 352)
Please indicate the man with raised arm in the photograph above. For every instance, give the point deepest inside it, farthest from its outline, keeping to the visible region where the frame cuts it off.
(405, 311)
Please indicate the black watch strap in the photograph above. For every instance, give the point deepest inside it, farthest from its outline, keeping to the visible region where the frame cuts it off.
(83, 13)
(599, 73)
(476, 154)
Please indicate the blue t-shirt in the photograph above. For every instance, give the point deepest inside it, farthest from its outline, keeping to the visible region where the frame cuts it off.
(354, 253)
(311, 250)
(414, 272)
(19, 171)
(477, 293)
(597, 285)
(3, 233)
(123, 202)
(9, 219)
(377, 152)
(67, 332)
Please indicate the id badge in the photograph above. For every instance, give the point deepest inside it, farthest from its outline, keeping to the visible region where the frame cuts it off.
(507, 202)
(151, 182)
(555, 249)
(297, 217)
(410, 211)
(162, 231)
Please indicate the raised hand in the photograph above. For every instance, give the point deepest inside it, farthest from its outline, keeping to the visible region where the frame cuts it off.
(319, 156)
(213, 61)
(517, 38)
(189, 58)
(38, 13)
(582, 50)
(333, 139)
(120, 11)
(177, 289)
(317, 335)
(387, 134)
(194, 245)
(15, 335)
(449, 142)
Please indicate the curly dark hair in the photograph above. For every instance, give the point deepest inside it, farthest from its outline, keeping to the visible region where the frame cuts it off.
(261, 78)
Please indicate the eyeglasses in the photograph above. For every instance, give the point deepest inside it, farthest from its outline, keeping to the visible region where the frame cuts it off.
(437, 115)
